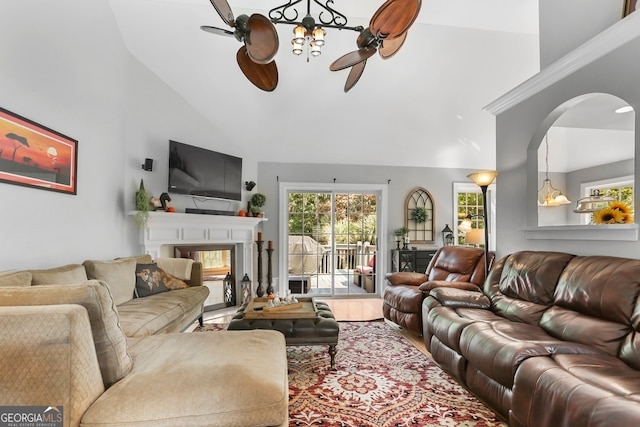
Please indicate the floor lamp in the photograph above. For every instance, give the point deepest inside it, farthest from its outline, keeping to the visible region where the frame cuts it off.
(484, 179)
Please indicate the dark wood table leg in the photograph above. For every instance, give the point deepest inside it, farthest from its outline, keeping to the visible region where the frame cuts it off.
(332, 354)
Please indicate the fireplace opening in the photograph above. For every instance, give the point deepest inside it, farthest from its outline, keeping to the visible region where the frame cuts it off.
(217, 261)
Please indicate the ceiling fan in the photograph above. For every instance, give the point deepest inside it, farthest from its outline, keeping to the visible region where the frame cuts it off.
(386, 34)
(260, 44)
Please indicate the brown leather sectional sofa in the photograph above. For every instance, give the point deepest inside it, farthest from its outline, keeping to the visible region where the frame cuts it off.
(552, 339)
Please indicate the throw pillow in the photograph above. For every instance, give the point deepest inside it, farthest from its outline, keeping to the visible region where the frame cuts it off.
(151, 279)
(119, 275)
(142, 259)
(65, 275)
(177, 267)
(17, 278)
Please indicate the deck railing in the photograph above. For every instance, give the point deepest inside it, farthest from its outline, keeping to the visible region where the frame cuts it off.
(346, 257)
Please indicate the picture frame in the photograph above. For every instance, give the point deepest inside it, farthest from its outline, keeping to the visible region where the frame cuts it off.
(35, 156)
(629, 7)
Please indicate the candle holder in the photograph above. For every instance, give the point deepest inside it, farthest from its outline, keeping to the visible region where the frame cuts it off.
(260, 289)
(269, 271)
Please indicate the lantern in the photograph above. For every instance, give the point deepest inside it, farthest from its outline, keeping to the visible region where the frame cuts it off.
(229, 295)
(245, 286)
(447, 235)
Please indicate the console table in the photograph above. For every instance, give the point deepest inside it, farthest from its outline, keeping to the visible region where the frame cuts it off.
(413, 260)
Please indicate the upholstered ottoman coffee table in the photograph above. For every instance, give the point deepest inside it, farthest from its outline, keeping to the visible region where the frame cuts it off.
(307, 323)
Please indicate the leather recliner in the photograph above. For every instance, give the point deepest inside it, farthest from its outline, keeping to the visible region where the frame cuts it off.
(460, 267)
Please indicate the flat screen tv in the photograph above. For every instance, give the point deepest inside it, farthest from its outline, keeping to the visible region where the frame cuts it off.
(200, 172)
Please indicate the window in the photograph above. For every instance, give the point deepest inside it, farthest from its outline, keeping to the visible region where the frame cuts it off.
(468, 201)
(620, 188)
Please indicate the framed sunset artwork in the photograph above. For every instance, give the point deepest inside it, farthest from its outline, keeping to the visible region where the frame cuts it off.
(35, 156)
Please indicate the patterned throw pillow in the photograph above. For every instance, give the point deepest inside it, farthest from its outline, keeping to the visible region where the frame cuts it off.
(151, 279)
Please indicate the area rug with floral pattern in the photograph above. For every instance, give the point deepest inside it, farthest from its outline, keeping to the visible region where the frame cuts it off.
(381, 380)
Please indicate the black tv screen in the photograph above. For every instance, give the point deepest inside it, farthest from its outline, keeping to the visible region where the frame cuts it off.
(200, 172)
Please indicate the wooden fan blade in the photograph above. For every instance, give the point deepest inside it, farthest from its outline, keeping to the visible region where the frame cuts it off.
(351, 59)
(394, 17)
(261, 39)
(224, 10)
(354, 75)
(216, 30)
(391, 46)
(263, 76)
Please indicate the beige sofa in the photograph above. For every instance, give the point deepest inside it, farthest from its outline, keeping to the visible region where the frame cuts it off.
(64, 346)
(164, 312)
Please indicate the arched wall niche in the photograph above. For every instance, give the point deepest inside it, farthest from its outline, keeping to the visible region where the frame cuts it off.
(589, 118)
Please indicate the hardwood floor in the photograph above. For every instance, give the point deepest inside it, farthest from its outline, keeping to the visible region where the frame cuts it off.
(354, 309)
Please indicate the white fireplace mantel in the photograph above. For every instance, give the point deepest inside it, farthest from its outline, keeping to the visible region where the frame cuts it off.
(165, 230)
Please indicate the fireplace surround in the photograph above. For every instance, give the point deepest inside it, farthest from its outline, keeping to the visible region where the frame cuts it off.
(164, 231)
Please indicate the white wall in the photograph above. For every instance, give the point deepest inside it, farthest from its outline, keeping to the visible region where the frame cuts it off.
(571, 149)
(153, 114)
(75, 86)
(64, 66)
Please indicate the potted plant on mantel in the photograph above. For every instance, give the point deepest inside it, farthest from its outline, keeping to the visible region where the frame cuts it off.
(143, 206)
(257, 202)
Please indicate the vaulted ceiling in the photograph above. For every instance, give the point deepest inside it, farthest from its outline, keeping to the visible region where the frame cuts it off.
(422, 107)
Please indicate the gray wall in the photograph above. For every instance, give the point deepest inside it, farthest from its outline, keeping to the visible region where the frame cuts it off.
(566, 24)
(438, 181)
(615, 73)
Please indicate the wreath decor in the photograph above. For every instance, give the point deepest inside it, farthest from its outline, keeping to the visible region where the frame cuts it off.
(419, 215)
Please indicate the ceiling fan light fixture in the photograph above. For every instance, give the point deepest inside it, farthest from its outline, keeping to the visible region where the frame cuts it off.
(299, 33)
(296, 47)
(315, 49)
(318, 36)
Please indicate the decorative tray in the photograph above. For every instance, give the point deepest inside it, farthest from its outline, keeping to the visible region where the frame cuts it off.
(304, 308)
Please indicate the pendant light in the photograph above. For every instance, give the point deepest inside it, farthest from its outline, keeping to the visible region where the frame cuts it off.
(548, 195)
(593, 202)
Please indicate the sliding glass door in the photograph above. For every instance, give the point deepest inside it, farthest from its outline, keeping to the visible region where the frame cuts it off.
(332, 237)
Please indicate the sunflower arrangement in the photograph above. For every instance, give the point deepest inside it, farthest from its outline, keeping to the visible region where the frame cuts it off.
(616, 213)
